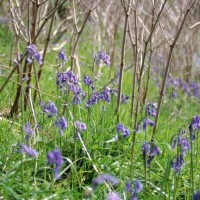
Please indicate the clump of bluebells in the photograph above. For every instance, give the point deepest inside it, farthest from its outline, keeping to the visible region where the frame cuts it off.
(138, 187)
(105, 96)
(68, 81)
(149, 151)
(54, 157)
(182, 144)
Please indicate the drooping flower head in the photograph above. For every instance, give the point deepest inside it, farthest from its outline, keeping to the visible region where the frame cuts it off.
(149, 151)
(32, 54)
(100, 179)
(28, 130)
(55, 157)
(196, 195)
(102, 57)
(61, 124)
(147, 122)
(28, 150)
(62, 56)
(138, 187)
(195, 124)
(181, 142)
(120, 128)
(50, 109)
(113, 196)
(151, 109)
(87, 80)
(80, 126)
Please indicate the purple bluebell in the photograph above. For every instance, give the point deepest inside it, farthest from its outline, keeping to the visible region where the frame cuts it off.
(129, 187)
(66, 78)
(113, 196)
(76, 100)
(196, 195)
(28, 150)
(33, 54)
(100, 179)
(153, 152)
(55, 157)
(149, 151)
(151, 109)
(194, 89)
(146, 149)
(137, 189)
(50, 109)
(113, 91)
(105, 95)
(120, 128)
(147, 122)
(61, 124)
(28, 130)
(195, 124)
(80, 126)
(87, 80)
(102, 57)
(92, 100)
(124, 99)
(174, 94)
(138, 186)
(177, 163)
(62, 56)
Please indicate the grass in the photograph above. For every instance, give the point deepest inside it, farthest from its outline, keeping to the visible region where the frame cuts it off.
(23, 177)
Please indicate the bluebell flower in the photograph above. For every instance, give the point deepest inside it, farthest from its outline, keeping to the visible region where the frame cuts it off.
(50, 109)
(195, 124)
(151, 109)
(177, 163)
(33, 54)
(146, 149)
(92, 100)
(147, 122)
(80, 126)
(120, 128)
(55, 157)
(149, 151)
(137, 189)
(28, 130)
(196, 195)
(76, 100)
(62, 56)
(124, 99)
(102, 57)
(104, 178)
(28, 150)
(183, 145)
(87, 80)
(105, 95)
(66, 78)
(113, 196)
(129, 187)
(62, 124)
